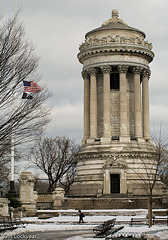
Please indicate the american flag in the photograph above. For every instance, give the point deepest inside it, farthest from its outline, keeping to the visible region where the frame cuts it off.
(31, 87)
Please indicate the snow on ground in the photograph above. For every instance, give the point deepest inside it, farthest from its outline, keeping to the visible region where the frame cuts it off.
(159, 232)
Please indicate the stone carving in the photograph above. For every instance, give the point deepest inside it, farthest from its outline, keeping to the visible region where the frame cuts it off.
(114, 19)
(92, 71)
(146, 73)
(113, 39)
(122, 68)
(105, 156)
(105, 69)
(24, 179)
(137, 70)
(85, 74)
(115, 161)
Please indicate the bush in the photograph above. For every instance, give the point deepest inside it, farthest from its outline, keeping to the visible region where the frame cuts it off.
(14, 202)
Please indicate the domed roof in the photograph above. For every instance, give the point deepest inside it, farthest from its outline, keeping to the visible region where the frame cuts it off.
(115, 23)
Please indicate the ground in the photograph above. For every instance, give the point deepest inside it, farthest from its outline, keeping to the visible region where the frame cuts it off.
(67, 227)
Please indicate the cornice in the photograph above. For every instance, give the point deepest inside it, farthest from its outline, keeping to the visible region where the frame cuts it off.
(115, 50)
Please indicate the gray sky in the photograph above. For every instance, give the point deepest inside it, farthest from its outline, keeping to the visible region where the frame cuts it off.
(57, 27)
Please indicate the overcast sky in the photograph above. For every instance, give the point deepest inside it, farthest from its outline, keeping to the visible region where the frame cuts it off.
(57, 27)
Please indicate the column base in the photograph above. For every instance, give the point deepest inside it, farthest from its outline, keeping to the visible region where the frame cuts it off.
(105, 139)
(124, 139)
(84, 141)
(90, 140)
(148, 139)
(140, 139)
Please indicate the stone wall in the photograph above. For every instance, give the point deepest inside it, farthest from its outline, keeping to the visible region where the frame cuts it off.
(109, 203)
(57, 200)
(115, 113)
(115, 107)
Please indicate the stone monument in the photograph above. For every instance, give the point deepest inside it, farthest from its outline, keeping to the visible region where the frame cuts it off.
(27, 194)
(117, 151)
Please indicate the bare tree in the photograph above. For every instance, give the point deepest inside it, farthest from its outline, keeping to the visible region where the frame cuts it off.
(5, 168)
(4, 171)
(40, 185)
(55, 157)
(24, 118)
(69, 178)
(148, 180)
(153, 168)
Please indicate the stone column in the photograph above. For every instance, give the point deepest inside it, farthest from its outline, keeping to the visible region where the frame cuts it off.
(106, 103)
(93, 103)
(123, 103)
(145, 103)
(137, 102)
(86, 105)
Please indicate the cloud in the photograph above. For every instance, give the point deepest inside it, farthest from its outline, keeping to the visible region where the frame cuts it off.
(66, 121)
(56, 28)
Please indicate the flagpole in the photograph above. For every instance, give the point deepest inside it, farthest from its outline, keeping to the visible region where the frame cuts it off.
(12, 188)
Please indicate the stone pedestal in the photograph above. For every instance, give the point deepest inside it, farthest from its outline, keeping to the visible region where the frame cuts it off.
(4, 210)
(27, 194)
(58, 197)
(165, 197)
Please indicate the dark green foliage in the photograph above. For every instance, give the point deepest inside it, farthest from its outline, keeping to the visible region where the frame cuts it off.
(14, 201)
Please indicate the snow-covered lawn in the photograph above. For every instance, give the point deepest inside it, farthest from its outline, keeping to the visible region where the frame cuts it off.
(159, 232)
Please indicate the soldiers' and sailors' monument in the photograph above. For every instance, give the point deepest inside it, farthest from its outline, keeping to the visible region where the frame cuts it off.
(116, 149)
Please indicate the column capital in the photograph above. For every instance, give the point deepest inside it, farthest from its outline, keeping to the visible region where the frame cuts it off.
(137, 70)
(122, 68)
(85, 74)
(105, 69)
(146, 73)
(92, 71)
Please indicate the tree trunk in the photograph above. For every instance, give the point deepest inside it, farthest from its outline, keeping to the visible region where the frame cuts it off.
(150, 210)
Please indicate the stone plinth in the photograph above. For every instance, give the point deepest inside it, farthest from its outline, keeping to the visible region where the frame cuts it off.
(165, 196)
(27, 194)
(4, 210)
(58, 197)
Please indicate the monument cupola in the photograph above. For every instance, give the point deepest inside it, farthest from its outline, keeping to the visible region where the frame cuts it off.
(115, 59)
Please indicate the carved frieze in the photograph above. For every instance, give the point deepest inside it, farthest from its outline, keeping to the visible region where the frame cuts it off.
(108, 156)
(115, 161)
(114, 39)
